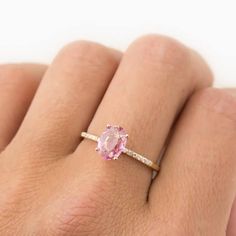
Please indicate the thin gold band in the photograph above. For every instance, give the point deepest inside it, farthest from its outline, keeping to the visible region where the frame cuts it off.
(128, 152)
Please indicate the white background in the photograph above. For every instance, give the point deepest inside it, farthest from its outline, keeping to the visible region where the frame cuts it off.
(35, 30)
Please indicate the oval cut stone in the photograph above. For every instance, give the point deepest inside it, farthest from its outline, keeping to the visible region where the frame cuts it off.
(112, 142)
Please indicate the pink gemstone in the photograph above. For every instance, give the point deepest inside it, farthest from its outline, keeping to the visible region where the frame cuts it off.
(112, 142)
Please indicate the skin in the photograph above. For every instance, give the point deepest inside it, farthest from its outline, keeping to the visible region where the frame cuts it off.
(54, 183)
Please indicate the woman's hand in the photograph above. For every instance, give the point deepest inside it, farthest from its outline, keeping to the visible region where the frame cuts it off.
(54, 183)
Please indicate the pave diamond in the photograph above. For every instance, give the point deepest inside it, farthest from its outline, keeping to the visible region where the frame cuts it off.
(112, 142)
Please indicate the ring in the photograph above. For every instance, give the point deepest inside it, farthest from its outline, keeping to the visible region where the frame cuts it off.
(112, 143)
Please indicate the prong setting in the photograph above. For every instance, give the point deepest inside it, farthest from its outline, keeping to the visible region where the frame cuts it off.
(112, 143)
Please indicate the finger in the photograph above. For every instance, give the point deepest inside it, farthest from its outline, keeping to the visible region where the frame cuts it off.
(154, 79)
(231, 229)
(196, 186)
(67, 99)
(18, 83)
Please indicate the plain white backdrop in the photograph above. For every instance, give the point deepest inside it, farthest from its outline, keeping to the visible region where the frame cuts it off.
(35, 30)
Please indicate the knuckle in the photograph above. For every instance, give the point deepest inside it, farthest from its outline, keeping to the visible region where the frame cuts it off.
(78, 215)
(162, 50)
(88, 54)
(219, 101)
(89, 213)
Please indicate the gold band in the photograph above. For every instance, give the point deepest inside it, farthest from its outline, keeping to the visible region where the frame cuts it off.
(128, 152)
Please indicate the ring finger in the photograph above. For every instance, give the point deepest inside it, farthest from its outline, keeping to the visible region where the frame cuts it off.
(153, 81)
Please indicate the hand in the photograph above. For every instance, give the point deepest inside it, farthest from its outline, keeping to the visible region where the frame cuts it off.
(52, 182)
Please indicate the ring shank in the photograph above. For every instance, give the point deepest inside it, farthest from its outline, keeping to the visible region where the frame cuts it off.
(127, 151)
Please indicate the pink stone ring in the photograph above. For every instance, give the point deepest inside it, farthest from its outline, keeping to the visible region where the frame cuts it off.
(112, 143)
